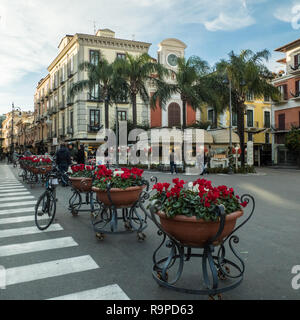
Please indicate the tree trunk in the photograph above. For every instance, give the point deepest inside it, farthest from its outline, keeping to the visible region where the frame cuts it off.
(134, 119)
(106, 114)
(241, 130)
(183, 128)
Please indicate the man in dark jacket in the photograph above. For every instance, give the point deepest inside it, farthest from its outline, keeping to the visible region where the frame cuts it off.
(63, 158)
(81, 155)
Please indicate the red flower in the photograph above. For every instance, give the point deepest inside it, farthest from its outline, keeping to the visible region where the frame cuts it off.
(244, 204)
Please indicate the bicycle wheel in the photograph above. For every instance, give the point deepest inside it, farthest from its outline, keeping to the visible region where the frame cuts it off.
(45, 210)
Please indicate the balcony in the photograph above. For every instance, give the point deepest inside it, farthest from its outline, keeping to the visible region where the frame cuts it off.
(70, 130)
(55, 109)
(296, 95)
(53, 134)
(94, 128)
(253, 125)
(91, 98)
(62, 80)
(294, 69)
(62, 105)
(285, 127)
(70, 101)
(38, 119)
(50, 111)
(61, 132)
(70, 73)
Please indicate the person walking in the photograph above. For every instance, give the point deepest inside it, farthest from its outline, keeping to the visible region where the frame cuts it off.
(73, 152)
(63, 160)
(81, 155)
(172, 162)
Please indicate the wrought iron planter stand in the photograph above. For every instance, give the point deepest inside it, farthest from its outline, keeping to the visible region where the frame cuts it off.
(214, 267)
(76, 201)
(106, 221)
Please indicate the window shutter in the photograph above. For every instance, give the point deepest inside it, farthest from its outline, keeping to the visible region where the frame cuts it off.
(296, 87)
(296, 61)
(285, 92)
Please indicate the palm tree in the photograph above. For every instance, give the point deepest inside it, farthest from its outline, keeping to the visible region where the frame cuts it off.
(138, 70)
(186, 81)
(103, 77)
(247, 73)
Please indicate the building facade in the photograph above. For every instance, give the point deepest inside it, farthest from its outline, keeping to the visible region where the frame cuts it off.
(257, 126)
(78, 120)
(286, 112)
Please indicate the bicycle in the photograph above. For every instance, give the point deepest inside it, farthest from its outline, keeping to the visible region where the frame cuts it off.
(45, 209)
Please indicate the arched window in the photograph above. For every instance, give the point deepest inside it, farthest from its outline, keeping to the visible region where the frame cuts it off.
(174, 115)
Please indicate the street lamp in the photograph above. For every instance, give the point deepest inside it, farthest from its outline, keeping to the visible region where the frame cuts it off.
(12, 126)
(228, 81)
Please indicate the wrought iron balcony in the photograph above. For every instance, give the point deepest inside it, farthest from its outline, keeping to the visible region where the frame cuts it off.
(294, 69)
(94, 128)
(70, 73)
(70, 130)
(61, 132)
(55, 109)
(90, 97)
(296, 95)
(70, 101)
(62, 105)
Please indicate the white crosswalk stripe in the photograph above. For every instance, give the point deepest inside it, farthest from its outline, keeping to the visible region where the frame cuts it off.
(26, 231)
(16, 209)
(21, 193)
(49, 269)
(16, 198)
(113, 292)
(18, 204)
(17, 219)
(15, 249)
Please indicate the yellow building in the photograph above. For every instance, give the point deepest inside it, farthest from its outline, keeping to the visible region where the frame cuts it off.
(257, 125)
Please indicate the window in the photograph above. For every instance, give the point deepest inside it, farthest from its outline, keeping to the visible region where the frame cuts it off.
(71, 119)
(94, 57)
(63, 124)
(297, 88)
(122, 115)
(121, 56)
(72, 64)
(267, 119)
(210, 116)
(94, 118)
(266, 98)
(250, 136)
(281, 121)
(296, 60)
(249, 118)
(267, 138)
(95, 93)
(249, 96)
(283, 91)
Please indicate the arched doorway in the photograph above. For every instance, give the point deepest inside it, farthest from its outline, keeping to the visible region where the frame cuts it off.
(174, 113)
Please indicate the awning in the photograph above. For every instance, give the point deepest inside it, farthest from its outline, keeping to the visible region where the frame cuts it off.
(222, 136)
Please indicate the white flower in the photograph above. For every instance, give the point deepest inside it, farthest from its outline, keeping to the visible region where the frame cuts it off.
(190, 186)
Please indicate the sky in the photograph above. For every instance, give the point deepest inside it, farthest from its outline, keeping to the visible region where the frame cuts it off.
(30, 31)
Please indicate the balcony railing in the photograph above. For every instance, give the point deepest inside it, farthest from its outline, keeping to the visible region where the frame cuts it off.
(287, 126)
(94, 128)
(62, 105)
(70, 131)
(90, 97)
(55, 109)
(70, 73)
(295, 95)
(61, 132)
(294, 69)
(70, 101)
(50, 111)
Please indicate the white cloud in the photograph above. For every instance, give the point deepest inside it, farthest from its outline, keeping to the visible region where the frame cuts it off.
(30, 30)
(228, 23)
(289, 12)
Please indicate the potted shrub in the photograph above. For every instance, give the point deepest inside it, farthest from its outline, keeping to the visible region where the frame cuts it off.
(82, 177)
(189, 214)
(125, 186)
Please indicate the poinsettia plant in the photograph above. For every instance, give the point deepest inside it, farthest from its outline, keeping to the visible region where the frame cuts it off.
(120, 178)
(36, 161)
(198, 198)
(82, 171)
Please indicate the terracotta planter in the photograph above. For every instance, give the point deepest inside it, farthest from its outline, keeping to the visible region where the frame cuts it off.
(85, 186)
(120, 198)
(192, 232)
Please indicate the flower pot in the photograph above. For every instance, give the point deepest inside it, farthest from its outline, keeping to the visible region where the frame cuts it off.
(78, 184)
(194, 232)
(121, 198)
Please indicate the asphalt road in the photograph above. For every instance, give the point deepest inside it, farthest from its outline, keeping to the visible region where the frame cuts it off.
(70, 260)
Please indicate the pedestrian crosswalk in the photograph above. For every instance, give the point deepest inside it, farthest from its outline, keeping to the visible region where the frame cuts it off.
(19, 236)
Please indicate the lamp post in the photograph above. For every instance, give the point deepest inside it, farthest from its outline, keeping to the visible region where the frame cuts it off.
(12, 126)
(228, 81)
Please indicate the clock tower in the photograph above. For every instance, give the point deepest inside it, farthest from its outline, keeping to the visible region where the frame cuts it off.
(168, 52)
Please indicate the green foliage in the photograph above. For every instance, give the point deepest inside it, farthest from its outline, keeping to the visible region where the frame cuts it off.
(292, 140)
